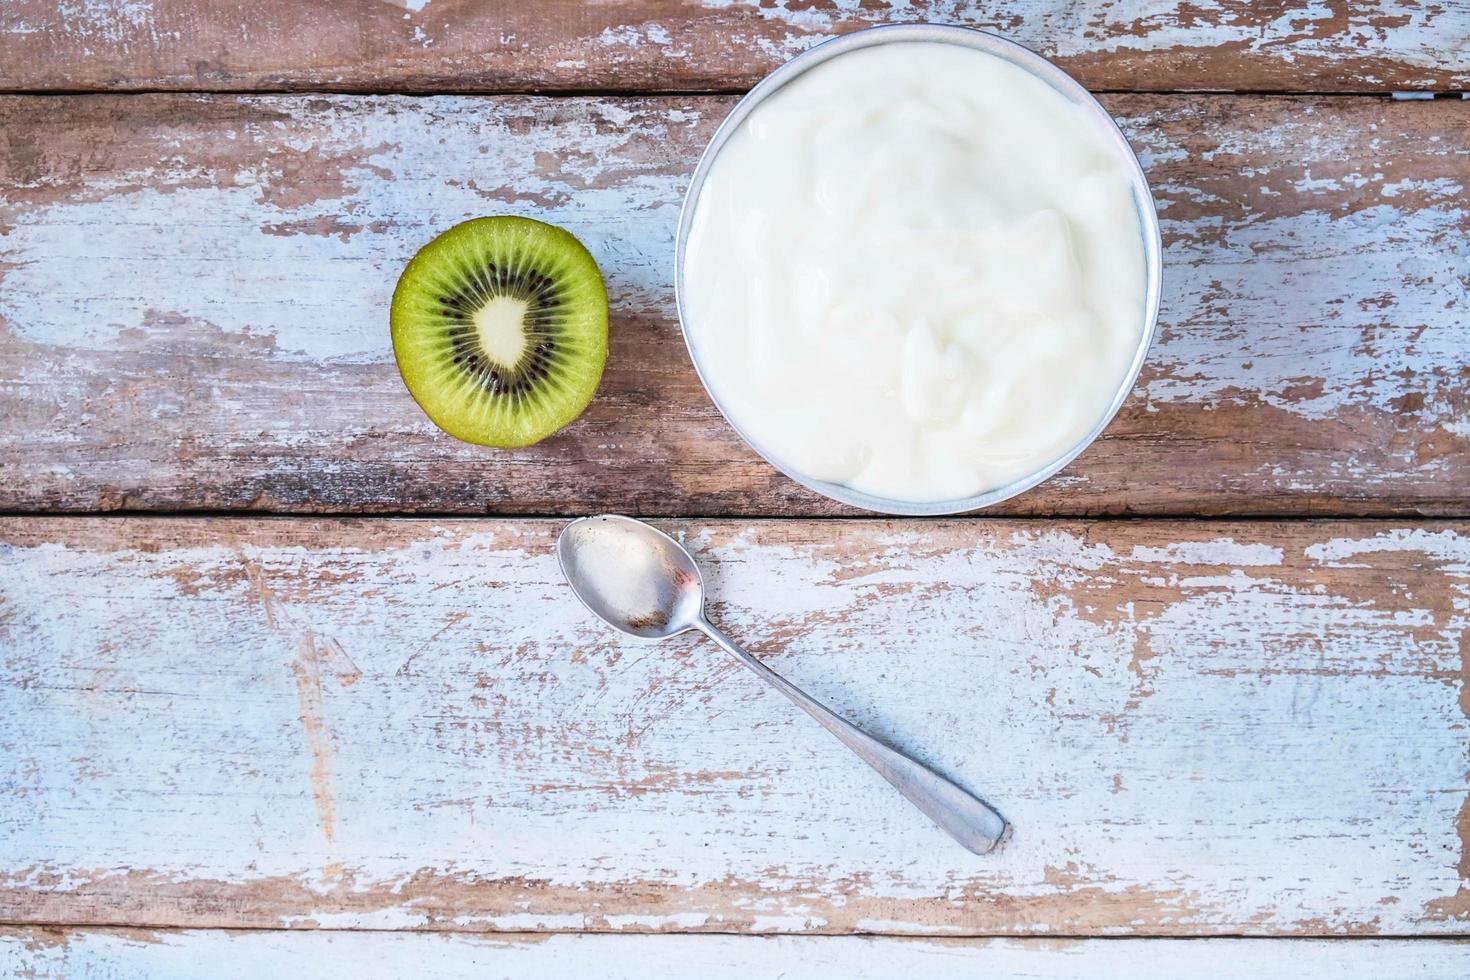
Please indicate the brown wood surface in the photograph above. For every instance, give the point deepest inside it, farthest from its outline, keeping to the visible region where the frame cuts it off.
(236, 746)
(683, 45)
(193, 297)
(1195, 727)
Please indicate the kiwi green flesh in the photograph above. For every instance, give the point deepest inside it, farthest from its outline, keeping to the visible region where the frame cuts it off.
(482, 395)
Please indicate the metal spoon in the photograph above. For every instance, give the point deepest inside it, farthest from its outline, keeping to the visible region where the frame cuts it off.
(641, 581)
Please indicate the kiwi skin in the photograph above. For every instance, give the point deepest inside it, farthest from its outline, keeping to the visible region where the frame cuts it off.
(425, 380)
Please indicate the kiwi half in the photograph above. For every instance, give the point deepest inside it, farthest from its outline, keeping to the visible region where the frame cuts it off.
(500, 330)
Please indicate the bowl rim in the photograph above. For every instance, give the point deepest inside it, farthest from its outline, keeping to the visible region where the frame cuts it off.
(1038, 66)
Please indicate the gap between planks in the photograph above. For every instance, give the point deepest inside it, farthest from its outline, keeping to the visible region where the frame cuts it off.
(635, 933)
(1204, 516)
(664, 93)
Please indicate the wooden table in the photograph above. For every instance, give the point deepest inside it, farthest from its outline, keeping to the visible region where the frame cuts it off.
(291, 684)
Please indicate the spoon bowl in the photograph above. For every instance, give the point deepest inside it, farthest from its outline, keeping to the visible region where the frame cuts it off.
(634, 577)
(641, 581)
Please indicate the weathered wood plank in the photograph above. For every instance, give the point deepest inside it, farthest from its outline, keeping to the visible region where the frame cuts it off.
(677, 45)
(1195, 727)
(193, 297)
(74, 954)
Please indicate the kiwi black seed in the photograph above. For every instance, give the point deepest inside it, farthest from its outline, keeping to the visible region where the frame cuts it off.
(500, 330)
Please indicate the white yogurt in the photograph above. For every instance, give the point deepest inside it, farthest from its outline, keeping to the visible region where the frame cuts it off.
(917, 270)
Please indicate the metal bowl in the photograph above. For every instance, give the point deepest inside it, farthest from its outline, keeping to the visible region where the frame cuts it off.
(1148, 229)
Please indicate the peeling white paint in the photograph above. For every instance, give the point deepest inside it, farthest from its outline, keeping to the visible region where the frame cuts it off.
(649, 33)
(1446, 547)
(1158, 720)
(1300, 289)
(1221, 551)
(1414, 35)
(1323, 311)
(228, 270)
(1209, 43)
(107, 21)
(807, 17)
(275, 292)
(311, 955)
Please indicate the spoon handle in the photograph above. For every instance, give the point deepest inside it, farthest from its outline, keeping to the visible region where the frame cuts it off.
(976, 826)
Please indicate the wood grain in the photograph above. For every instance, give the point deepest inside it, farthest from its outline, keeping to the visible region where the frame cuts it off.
(193, 297)
(46, 953)
(1195, 728)
(698, 45)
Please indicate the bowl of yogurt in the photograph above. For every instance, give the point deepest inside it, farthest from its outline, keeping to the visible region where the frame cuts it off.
(917, 269)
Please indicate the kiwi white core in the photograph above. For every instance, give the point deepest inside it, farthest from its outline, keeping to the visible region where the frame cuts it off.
(499, 325)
